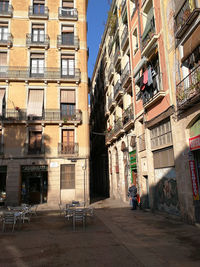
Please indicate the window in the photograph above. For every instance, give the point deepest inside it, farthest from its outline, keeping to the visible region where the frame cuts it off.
(68, 35)
(37, 65)
(4, 6)
(135, 41)
(2, 102)
(161, 135)
(3, 62)
(68, 65)
(38, 6)
(68, 146)
(67, 176)
(38, 33)
(35, 103)
(35, 142)
(67, 104)
(3, 31)
(67, 8)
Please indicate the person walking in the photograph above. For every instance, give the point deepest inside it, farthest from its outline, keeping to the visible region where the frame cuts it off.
(132, 193)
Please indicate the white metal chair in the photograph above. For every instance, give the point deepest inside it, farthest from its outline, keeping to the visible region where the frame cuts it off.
(69, 212)
(9, 219)
(33, 210)
(79, 216)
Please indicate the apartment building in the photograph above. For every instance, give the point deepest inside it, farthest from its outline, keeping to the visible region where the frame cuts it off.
(183, 46)
(112, 101)
(44, 127)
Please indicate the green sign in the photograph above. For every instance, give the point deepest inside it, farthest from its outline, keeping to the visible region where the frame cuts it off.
(195, 129)
(133, 159)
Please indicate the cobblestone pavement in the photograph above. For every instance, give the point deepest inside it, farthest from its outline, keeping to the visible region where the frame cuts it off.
(116, 236)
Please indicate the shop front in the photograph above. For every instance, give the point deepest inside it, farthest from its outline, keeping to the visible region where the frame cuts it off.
(194, 164)
(3, 174)
(34, 185)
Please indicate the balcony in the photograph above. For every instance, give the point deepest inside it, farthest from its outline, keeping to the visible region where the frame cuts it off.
(152, 95)
(110, 72)
(117, 57)
(149, 37)
(36, 13)
(6, 40)
(38, 149)
(6, 11)
(124, 10)
(124, 38)
(67, 13)
(109, 136)
(111, 103)
(37, 40)
(107, 112)
(106, 83)
(126, 76)
(110, 45)
(70, 43)
(9, 73)
(118, 91)
(185, 18)
(118, 128)
(128, 118)
(48, 116)
(68, 149)
(188, 90)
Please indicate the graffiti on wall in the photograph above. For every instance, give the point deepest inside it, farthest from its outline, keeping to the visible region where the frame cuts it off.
(166, 194)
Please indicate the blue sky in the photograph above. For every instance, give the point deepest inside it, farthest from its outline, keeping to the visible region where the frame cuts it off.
(96, 15)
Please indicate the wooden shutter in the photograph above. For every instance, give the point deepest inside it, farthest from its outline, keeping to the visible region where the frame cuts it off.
(35, 103)
(68, 4)
(67, 176)
(3, 59)
(67, 96)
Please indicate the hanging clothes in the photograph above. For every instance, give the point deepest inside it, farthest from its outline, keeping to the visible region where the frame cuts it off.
(150, 80)
(145, 77)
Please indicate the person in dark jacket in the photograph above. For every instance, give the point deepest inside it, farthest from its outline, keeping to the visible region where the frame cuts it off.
(132, 193)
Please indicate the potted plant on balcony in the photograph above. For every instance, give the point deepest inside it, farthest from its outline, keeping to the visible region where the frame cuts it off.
(112, 20)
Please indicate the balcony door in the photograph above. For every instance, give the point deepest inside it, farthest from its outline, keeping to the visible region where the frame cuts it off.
(68, 141)
(67, 35)
(67, 104)
(38, 7)
(3, 33)
(68, 66)
(37, 65)
(67, 8)
(38, 33)
(35, 142)
(4, 6)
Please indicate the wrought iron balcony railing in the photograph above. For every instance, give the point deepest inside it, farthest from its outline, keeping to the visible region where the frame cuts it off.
(68, 148)
(68, 42)
(34, 149)
(47, 115)
(124, 37)
(38, 12)
(37, 40)
(118, 90)
(67, 13)
(118, 127)
(117, 56)
(111, 102)
(185, 17)
(149, 94)
(188, 88)
(6, 39)
(127, 115)
(110, 45)
(148, 33)
(110, 71)
(126, 72)
(6, 11)
(27, 73)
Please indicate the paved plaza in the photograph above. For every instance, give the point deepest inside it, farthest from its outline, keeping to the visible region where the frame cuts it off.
(116, 236)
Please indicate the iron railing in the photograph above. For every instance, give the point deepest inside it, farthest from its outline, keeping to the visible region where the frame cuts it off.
(182, 15)
(149, 33)
(118, 126)
(37, 39)
(6, 10)
(34, 149)
(111, 101)
(72, 41)
(128, 115)
(68, 148)
(117, 88)
(110, 71)
(47, 115)
(6, 39)
(67, 13)
(126, 72)
(24, 73)
(152, 90)
(188, 87)
(117, 55)
(124, 36)
(36, 12)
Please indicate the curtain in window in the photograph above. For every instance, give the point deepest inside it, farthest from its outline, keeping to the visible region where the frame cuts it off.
(35, 103)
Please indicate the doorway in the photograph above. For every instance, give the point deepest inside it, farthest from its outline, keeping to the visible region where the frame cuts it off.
(34, 184)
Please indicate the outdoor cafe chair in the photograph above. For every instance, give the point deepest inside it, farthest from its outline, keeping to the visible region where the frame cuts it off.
(78, 216)
(61, 208)
(33, 210)
(69, 212)
(9, 218)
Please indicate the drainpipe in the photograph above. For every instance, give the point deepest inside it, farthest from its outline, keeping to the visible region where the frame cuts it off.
(139, 24)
